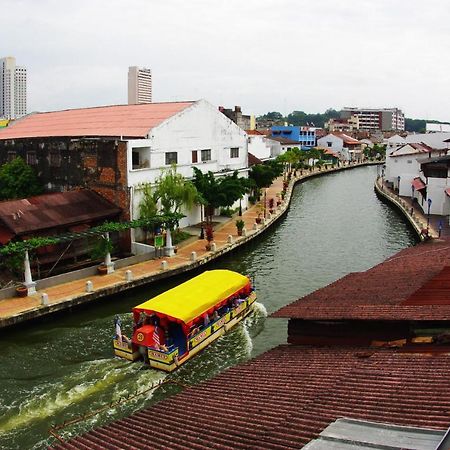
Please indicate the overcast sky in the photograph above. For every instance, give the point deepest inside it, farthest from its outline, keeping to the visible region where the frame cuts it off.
(265, 55)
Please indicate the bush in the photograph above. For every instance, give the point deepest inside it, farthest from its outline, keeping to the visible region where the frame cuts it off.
(227, 212)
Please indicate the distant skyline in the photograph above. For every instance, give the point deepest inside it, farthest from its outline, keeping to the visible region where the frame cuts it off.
(265, 55)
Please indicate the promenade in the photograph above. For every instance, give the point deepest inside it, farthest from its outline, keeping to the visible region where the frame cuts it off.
(15, 310)
(437, 225)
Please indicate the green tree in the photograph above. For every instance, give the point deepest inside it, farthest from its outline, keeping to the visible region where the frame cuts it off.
(148, 207)
(219, 192)
(18, 180)
(264, 174)
(174, 191)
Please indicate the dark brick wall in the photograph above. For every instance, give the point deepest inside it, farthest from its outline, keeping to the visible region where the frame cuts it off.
(63, 164)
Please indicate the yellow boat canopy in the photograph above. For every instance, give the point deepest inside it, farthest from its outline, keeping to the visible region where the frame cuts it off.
(196, 296)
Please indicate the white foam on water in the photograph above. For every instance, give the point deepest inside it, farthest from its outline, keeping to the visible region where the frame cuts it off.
(101, 376)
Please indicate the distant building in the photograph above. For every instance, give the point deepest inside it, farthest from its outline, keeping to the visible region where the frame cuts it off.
(139, 85)
(13, 89)
(348, 124)
(262, 146)
(438, 128)
(304, 136)
(384, 119)
(345, 146)
(244, 122)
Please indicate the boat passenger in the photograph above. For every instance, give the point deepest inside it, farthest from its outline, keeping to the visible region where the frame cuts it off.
(215, 316)
(206, 320)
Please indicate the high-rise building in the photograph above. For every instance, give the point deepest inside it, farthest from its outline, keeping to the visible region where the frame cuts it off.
(139, 85)
(384, 119)
(13, 89)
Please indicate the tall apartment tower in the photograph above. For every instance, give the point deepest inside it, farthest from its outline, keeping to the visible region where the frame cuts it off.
(139, 85)
(13, 89)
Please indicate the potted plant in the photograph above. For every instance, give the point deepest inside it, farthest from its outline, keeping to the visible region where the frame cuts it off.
(21, 291)
(240, 224)
(102, 248)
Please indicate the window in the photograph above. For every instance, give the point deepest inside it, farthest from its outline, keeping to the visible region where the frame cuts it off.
(11, 156)
(234, 152)
(330, 144)
(194, 156)
(55, 158)
(409, 161)
(31, 158)
(171, 158)
(140, 158)
(206, 155)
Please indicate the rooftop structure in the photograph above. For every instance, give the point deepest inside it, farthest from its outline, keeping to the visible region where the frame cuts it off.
(139, 85)
(241, 120)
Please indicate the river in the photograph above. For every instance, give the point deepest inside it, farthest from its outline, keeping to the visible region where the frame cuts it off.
(60, 368)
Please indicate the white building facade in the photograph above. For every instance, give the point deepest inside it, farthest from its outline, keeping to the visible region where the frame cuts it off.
(13, 89)
(262, 146)
(198, 136)
(139, 85)
(335, 144)
(385, 119)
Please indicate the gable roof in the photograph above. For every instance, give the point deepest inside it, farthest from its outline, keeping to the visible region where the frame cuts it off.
(284, 141)
(132, 121)
(411, 149)
(381, 293)
(346, 138)
(47, 211)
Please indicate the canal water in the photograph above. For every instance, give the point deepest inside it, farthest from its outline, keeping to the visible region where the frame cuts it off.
(59, 369)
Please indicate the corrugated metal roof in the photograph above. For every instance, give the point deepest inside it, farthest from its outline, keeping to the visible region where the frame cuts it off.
(284, 398)
(115, 121)
(379, 293)
(53, 210)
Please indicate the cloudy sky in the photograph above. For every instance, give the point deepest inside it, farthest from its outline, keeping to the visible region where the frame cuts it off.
(265, 55)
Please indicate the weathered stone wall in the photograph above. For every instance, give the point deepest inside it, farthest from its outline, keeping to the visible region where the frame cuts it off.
(63, 164)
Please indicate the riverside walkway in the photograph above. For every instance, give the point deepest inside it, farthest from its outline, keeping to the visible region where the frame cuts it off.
(414, 213)
(15, 310)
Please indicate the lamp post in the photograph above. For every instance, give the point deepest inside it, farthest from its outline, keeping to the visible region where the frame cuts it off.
(412, 199)
(428, 215)
(398, 185)
(240, 207)
(265, 198)
(202, 231)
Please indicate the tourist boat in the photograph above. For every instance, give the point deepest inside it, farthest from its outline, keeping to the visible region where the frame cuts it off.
(174, 326)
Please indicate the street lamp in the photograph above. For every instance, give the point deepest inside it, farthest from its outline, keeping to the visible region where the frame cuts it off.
(412, 199)
(202, 231)
(398, 185)
(428, 217)
(240, 207)
(265, 198)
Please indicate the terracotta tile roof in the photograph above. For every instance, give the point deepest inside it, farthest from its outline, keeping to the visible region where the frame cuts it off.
(53, 210)
(254, 133)
(347, 139)
(115, 121)
(285, 398)
(411, 149)
(380, 292)
(284, 141)
(253, 160)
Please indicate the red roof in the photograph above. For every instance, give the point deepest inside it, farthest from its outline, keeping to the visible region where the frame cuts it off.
(416, 149)
(347, 139)
(447, 191)
(253, 160)
(254, 133)
(54, 210)
(115, 121)
(418, 184)
(285, 398)
(380, 292)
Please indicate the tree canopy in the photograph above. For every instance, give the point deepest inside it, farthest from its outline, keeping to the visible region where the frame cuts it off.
(219, 192)
(264, 174)
(18, 180)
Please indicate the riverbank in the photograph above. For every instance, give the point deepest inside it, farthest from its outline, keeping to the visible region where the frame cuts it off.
(66, 295)
(413, 215)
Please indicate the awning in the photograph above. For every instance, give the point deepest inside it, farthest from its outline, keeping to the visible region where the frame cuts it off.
(447, 191)
(418, 184)
(193, 298)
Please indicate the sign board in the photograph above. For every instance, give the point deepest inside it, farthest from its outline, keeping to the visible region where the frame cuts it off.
(159, 241)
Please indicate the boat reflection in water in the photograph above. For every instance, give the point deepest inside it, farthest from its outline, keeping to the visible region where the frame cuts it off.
(174, 326)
